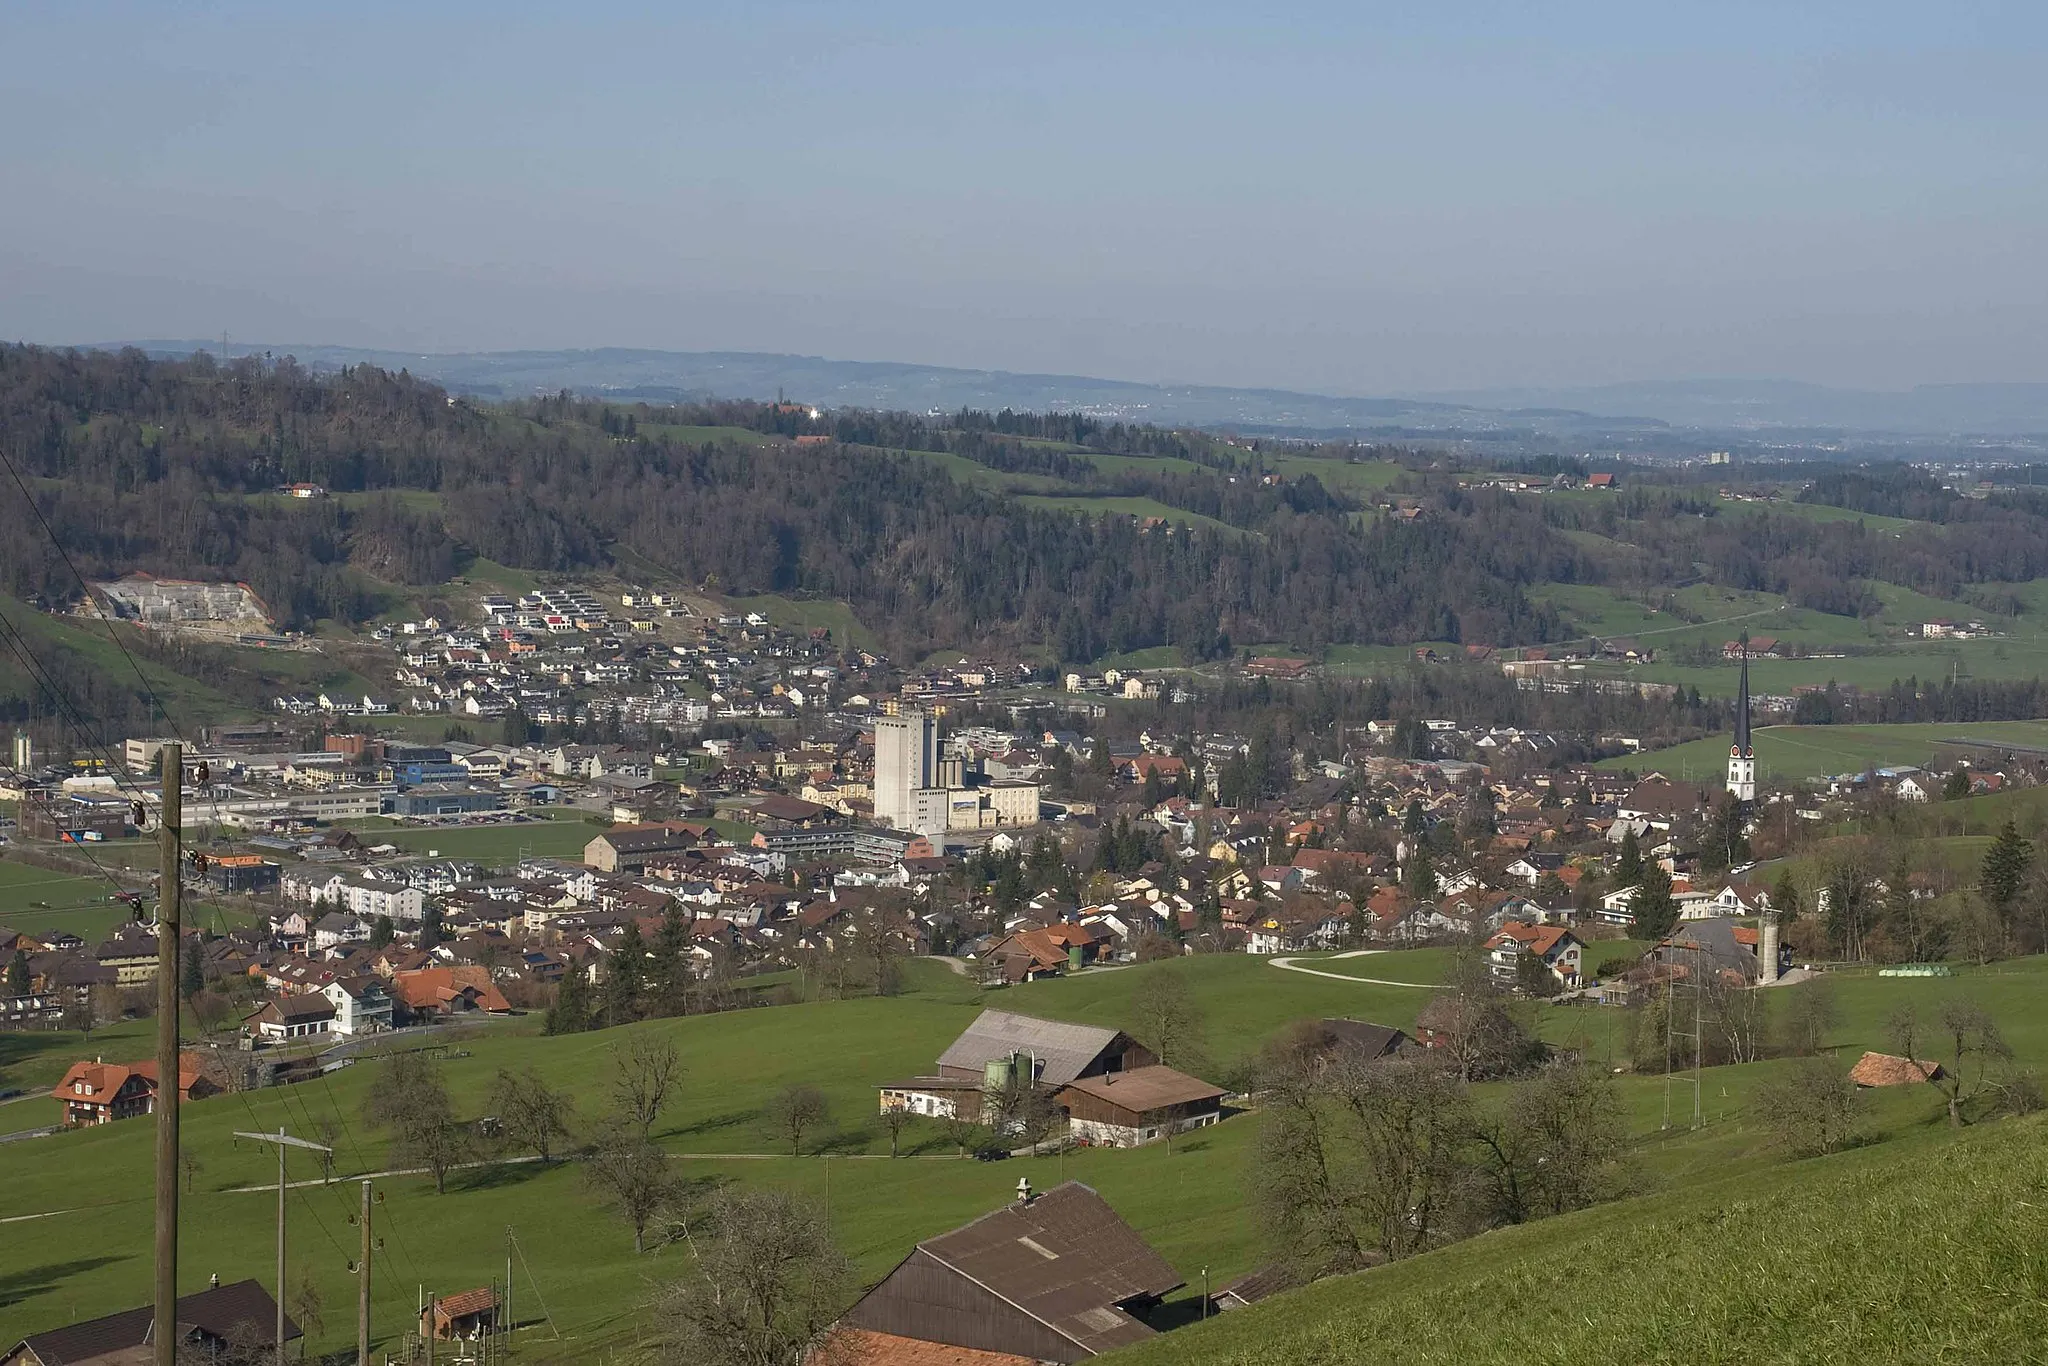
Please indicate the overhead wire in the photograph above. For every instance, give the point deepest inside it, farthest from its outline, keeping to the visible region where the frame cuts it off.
(116, 770)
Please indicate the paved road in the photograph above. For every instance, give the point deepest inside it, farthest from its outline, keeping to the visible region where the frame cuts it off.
(1294, 965)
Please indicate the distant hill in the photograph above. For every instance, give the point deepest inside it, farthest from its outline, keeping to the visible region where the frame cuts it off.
(686, 376)
(1731, 405)
(1747, 404)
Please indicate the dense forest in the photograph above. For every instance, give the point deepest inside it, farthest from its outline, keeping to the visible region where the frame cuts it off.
(169, 467)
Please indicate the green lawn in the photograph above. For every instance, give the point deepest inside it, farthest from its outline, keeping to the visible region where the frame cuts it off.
(38, 901)
(1357, 478)
(562, 836)
(802, 614)
(1192, 1203)
(1792, 753)
(1133, 507)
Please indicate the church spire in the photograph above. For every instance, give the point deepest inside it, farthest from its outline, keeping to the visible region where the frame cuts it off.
(1741, 756)
(1742, 745)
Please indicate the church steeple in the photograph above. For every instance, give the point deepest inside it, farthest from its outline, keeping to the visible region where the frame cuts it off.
(1741, 754)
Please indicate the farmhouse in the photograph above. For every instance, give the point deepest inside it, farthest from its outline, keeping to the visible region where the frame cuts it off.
(213, 1322)
(1049, 1278)
(1056, 1053)
(1125, 1109)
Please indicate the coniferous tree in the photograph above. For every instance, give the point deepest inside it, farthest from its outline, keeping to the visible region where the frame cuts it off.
(1654, 908)
(432, 931)
(1628, 868)
(2005, 867)
(625, 981)
(17, 974)
(191, 970)
(569, 1012)
(668, 969)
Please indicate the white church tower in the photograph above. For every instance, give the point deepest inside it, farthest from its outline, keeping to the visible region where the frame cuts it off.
(1741, 754)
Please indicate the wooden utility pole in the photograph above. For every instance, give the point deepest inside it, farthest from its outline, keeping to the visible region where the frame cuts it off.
(511, 1324)
(363, 1286)
(283, 1141)
(168, 929)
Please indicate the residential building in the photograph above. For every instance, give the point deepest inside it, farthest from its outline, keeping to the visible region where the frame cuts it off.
(298, 1016)
(362, 1005)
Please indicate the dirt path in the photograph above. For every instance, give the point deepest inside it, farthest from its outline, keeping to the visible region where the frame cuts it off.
(1294, 965)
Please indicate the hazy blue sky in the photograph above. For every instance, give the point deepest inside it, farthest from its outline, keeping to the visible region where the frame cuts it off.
(1350, 197)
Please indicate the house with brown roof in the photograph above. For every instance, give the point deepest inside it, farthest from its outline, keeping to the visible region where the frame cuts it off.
(1054, 1053)
(100, 1092)
(1057, 1277)
(467, 1314)
(1125, 1109)
(230, 1318)
(1887, 1069)
(296, 1016)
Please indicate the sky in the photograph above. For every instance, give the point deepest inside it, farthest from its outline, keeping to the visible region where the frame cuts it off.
(1353, 198)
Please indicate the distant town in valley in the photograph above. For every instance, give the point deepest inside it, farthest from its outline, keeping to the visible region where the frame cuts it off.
(1046, 886)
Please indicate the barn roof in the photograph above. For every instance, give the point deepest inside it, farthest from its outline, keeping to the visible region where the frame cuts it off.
(1064, 1050)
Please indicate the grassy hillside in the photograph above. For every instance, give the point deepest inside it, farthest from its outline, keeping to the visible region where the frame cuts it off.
(78, 1205)
(1929, 1250)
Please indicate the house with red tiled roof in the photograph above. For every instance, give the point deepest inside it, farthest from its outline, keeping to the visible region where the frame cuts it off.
(1886, 1069)
(1557, 947)
(99, 1092)
(437, 993)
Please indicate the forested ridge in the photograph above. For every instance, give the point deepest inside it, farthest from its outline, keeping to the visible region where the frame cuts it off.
(168, 467)
(171, 467)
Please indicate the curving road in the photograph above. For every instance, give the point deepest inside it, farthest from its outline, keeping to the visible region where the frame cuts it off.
(1294, 965)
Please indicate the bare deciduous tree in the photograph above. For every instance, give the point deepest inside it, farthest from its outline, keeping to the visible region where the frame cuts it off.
(645, 1073)
(532, 1114)
(795, 1111)
(1810, 1013)
(410, 1098)
(1814, 1108)
(895, 1120)
(765, 1283)
(1167, 1018)
(634, 1176)
(1552, 1143)
(1972, 1047)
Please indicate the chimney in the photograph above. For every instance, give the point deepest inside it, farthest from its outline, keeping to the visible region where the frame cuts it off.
(1024, 1195)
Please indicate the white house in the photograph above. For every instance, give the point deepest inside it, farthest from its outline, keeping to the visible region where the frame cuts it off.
(362, 1005)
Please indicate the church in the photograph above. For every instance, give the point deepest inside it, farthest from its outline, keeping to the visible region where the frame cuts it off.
(1741, 754)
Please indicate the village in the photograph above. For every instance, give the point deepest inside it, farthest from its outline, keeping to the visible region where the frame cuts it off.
(744, 870)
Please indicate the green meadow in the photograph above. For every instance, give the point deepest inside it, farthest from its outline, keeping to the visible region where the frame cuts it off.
(79, 1205)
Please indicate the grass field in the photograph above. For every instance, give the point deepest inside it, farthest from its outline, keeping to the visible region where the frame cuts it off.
(1191, 1202)
(801, 614)
(1362, 477)
(1792, 753)
(38, 901)
(1929, 1250)
(562, 836)
(1132, 507)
